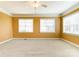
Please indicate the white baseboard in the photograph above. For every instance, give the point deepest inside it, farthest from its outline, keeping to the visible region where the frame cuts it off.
(36, 38)
(5, 41)
(76, 45)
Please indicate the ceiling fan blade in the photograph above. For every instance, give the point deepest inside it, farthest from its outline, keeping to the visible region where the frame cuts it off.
(36, 4)
(44, 5)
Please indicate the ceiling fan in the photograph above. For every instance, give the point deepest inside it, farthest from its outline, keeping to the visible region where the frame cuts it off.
(36, 4)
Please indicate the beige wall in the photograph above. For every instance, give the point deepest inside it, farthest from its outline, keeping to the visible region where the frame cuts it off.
(5, 27)
(36, 33)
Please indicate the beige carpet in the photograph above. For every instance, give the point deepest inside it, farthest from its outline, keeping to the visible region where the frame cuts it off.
(38, 48)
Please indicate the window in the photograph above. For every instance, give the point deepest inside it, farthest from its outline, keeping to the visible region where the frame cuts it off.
(71, 24)
(25, 25)
(47, 25)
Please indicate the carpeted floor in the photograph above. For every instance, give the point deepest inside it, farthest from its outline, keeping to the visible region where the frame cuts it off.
(38, 48)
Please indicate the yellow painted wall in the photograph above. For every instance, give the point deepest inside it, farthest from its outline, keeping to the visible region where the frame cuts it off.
(36, 33)
(5, 27)
(72, 38)
(9, 24)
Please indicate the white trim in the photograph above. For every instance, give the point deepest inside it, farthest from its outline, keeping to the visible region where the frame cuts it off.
(5, 41)
(76, 45)
(71, 8)
(36, 38)
(33, 15)
(6, 12)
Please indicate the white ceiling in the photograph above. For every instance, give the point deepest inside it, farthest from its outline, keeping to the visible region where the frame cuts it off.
(22, 7)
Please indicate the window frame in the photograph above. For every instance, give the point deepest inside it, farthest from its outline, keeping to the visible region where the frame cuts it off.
(48, 19)
(71, 33)
(26, 19)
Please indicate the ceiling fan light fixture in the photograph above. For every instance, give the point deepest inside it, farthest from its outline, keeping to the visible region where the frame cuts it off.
(36, 4)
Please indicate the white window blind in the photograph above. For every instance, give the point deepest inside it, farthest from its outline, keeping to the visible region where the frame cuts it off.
(71, 24)
(25, 25)
(47, 25)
